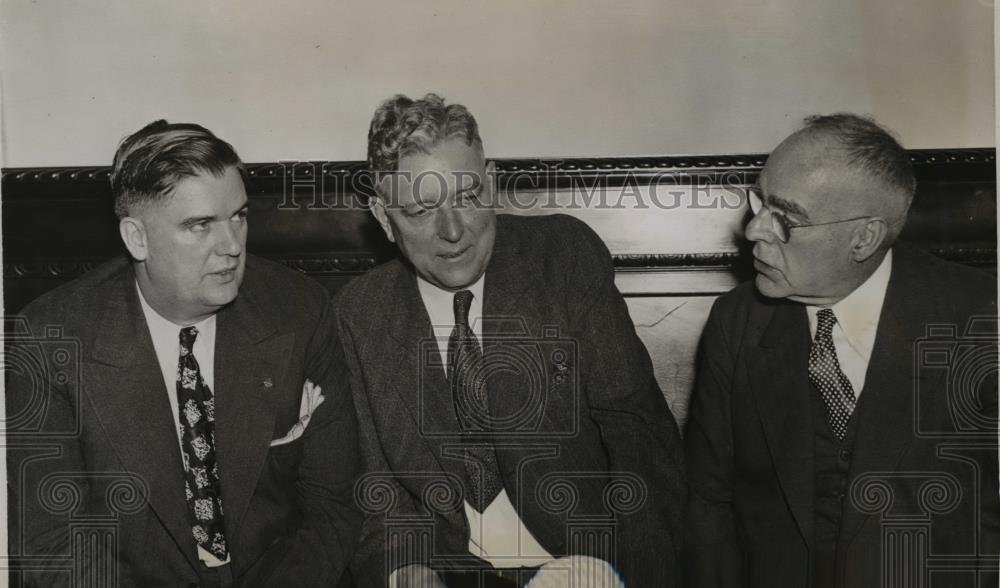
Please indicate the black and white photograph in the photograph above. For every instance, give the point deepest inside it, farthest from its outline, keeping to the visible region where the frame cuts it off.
(525, 294)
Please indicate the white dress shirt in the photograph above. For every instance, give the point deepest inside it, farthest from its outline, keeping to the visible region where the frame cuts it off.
(497, 535)
(857, 324)
(167, 344)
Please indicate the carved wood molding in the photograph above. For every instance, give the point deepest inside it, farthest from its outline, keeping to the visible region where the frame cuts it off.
(571, 165)
(312, 217)
(350, 265)
(61, 269)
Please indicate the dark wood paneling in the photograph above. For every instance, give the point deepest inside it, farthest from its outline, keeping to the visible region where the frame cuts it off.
(57, 222)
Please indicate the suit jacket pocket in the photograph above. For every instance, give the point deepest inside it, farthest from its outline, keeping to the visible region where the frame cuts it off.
(284, 460)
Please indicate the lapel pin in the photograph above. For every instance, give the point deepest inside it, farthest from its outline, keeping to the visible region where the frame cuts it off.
(268, 383)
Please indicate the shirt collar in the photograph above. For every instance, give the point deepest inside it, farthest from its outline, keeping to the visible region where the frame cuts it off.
(160, 326)
(858, 312)
(440, 303)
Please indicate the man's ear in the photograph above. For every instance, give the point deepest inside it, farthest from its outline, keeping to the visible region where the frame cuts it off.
(868, 238)
(378, 210)
(133, 234)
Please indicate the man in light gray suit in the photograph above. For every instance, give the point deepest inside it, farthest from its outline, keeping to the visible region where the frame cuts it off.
(504, 398)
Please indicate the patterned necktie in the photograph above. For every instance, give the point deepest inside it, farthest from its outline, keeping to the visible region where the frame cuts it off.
(468, 389)
(825, 374)
(201, 472)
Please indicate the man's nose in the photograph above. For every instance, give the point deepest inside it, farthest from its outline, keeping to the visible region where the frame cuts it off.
(759, 228)
(449, 224)
(230, 239)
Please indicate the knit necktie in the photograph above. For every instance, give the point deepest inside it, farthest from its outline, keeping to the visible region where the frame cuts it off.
(825, 374)
(468, 389)
(201, 472)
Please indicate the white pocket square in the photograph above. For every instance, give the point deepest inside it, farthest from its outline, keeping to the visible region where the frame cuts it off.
(312, 397)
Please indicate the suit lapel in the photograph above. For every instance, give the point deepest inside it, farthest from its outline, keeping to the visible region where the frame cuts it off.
(886, 413)
(778, 375)
(511, 323)
(250, 366)
(528, 405)
(420, 384)
(419, 380)
(126, 388)
(508, 277)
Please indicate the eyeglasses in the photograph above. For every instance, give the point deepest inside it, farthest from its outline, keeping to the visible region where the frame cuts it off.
(780, 225)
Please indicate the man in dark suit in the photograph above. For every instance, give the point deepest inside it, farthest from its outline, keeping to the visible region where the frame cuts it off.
(175, 417)
(842, 428)
(508, 412)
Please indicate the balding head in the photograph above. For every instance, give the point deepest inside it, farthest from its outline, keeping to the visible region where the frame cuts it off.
(866, 159)
(832, 199)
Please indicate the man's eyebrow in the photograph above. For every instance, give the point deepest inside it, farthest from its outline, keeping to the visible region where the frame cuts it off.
(428, 202)
(207, 218)
(787, 207)
(194, 220)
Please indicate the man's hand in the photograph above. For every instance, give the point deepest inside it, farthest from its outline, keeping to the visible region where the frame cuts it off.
(415, 576)
(576, 571)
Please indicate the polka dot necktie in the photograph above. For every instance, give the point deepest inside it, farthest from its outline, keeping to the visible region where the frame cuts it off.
(201, 472)
(825, 374)
(468, 388)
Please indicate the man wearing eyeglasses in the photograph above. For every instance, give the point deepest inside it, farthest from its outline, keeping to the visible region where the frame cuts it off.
(825, 448)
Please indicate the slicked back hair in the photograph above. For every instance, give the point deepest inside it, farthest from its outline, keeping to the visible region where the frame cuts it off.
(402, 126)
(149, 163)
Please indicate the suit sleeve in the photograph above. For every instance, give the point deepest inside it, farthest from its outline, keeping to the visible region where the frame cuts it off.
(318, 551)
(637, 428)
(378, 491)
(45, 466)
(712, 551)
(989, 480)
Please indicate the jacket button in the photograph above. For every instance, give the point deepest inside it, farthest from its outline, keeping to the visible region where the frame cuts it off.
(845, 455)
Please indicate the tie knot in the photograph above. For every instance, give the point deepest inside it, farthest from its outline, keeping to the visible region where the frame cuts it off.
(463, 300)
(825, 319)
(188, 335)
